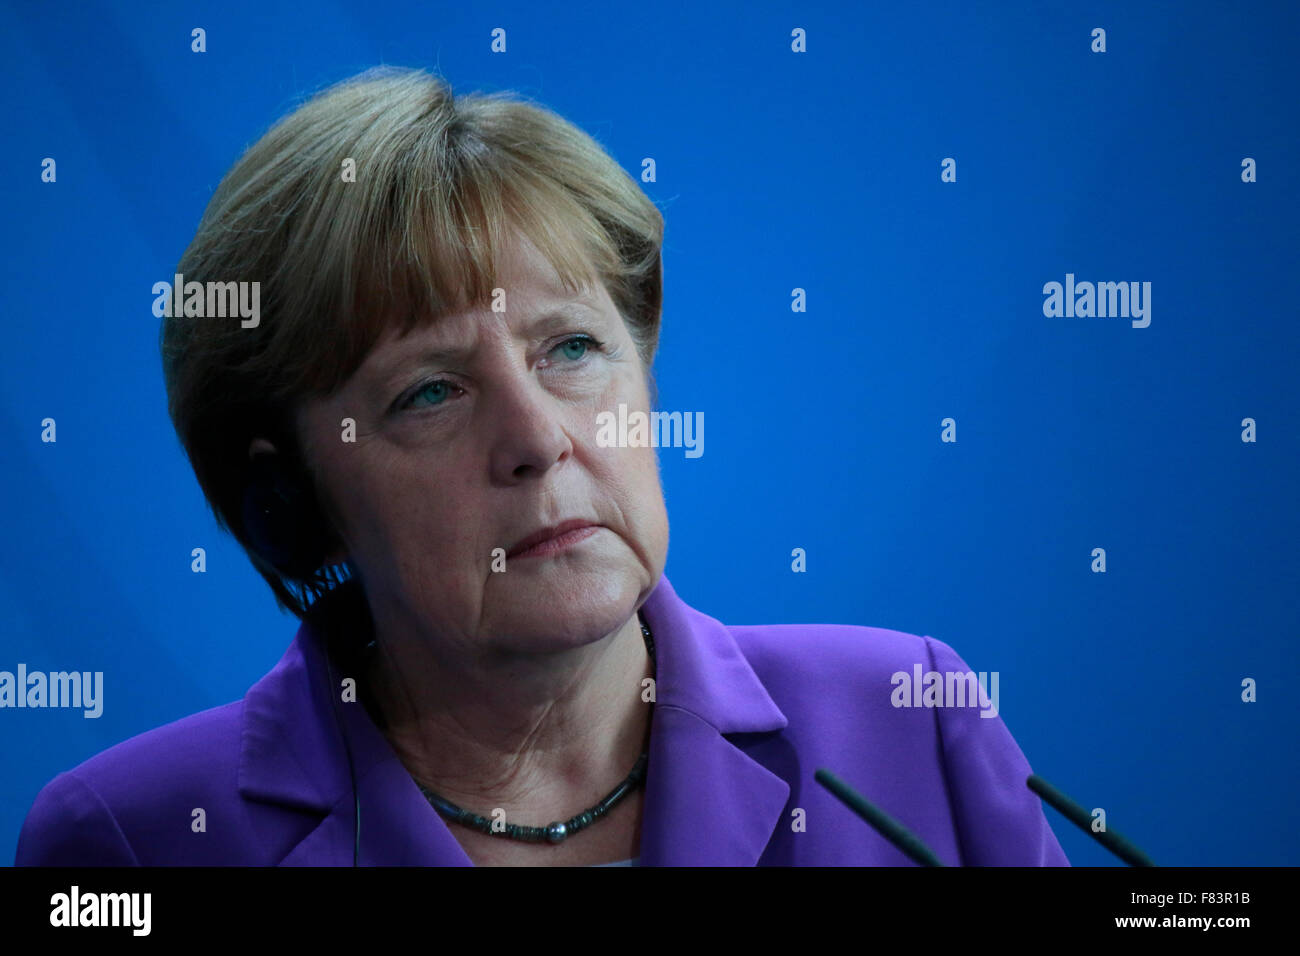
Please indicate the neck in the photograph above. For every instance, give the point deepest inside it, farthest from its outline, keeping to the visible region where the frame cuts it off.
(540, 735)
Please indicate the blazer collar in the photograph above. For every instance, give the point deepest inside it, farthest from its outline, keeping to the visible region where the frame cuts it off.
(697, 782)
(707, 802)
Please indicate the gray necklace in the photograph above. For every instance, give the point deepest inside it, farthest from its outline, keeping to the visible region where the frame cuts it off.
(559, 830)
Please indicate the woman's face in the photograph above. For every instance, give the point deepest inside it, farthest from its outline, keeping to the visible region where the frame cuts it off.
(460, 454)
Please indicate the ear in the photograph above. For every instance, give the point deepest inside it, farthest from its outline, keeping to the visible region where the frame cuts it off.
(260, 446)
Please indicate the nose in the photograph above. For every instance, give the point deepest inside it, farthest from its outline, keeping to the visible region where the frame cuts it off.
(527, 425)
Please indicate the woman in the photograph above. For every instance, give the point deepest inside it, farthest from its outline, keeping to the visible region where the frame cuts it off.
(491, 667)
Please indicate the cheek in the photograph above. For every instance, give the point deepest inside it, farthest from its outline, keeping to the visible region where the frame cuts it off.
(633, 471)
(635, 480)
(646, 510)
(404, 515)
(645, 466)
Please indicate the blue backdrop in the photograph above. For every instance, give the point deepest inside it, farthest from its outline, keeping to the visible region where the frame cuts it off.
(777, 170)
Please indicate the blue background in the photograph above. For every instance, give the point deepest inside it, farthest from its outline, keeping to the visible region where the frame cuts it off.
(776, 170)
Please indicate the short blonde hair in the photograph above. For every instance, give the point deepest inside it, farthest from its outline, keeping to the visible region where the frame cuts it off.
(439, 181)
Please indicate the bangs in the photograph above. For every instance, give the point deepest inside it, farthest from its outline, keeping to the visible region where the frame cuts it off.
(429, 246)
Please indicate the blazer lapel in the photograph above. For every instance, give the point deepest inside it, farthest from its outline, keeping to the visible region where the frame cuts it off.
(708, 803)
(398, 827)
(293, 756)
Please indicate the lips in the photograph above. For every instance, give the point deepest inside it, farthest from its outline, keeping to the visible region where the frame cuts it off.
(546, 534)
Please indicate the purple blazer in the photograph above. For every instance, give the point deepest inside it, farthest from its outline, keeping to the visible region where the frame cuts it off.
(744, 715)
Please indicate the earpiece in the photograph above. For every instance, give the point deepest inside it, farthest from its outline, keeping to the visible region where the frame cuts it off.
(282, 520)
(285, 527)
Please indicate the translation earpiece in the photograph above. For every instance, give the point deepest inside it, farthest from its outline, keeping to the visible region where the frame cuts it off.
(281, 519)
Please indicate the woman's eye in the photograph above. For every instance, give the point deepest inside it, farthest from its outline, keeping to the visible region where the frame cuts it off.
(435, 392)
(580, 343)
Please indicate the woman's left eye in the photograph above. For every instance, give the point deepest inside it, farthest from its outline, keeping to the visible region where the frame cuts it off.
(574, 349)
(579, 342)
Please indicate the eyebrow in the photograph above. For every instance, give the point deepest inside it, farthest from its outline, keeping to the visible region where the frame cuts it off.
(550, 318)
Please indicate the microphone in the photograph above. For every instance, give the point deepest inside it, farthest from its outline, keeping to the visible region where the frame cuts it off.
(1080, 817)
(893, 831)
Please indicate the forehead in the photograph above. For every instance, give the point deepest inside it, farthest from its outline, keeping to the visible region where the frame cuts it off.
(535, 300)
(452, 336)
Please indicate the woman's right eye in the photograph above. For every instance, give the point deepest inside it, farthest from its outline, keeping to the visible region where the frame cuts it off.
(428, 395)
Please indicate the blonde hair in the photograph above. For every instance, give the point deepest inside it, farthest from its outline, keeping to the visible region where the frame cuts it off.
(439, 182)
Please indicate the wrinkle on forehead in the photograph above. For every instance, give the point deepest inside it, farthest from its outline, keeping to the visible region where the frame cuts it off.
(396, 300)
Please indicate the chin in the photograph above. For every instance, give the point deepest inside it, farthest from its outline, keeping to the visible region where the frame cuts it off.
(573, 605)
